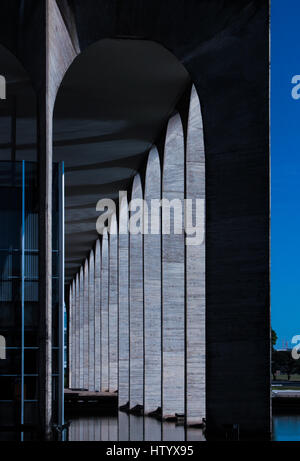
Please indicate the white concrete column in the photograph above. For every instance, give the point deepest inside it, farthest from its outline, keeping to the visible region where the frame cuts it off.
(70, 324)
(73, 334)
(91, 321)
(81, 288)
(123, 388)
(113, 305)
(98, 316)
(195, 267)
(104, 313)
(77, 333)
(173, 272)
(86, 326)
(136, 306)
(152, 284)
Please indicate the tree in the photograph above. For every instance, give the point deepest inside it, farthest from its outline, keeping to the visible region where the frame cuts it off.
(274, 338)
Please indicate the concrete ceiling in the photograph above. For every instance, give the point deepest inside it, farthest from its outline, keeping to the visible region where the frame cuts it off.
(112, 106)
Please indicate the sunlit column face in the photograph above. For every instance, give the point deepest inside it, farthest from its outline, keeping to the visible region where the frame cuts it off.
(123, 391)
(86, 327)
(98, 316)
(104, 314)
(152, 284)
(92, 322)
(173, 274)
(113, 305)
(136, 330)
(195, 267)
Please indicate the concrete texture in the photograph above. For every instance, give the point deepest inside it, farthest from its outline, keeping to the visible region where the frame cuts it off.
(152, 288)
(173, 275)
(136, 307)
(123, 325)
(104, 314)
(113, 305)
(77, 333)
(98, 316)
(86, 326)
(91, 302)
(195, 268)
(81, 328)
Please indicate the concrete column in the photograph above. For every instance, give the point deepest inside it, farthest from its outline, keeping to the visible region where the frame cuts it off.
(59, 53)
(152, 284)
(73, 370)
(91, 321)
(104, 313)
(70, 336)
(195, 267)
(86, 326)
(173, 272)
(123, 388)
(77, 333)
(81, 327)
(136, 306)
(98, 316)
(113, 305)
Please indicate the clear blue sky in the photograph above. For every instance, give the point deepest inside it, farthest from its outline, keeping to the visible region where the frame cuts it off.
(285, 155)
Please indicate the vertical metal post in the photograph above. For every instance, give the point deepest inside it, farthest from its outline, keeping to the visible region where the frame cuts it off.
(61, 187)
(22, 295)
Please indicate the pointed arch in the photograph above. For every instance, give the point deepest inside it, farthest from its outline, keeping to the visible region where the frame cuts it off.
(91, 321)
(173, 270)
(98, 316)
(136, 316)
(195, 267)
(152, 284)
(86, 326)
(81, 285)
(123, 388)
(104, 313)
(113, 305)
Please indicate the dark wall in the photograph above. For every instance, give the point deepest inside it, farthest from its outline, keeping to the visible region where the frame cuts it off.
(225, 47)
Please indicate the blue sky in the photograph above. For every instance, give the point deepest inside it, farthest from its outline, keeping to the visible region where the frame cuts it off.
(285, 161)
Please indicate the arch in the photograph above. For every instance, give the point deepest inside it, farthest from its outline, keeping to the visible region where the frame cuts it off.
(113, 305)
(136, 307)
(92, 321)
(173, 273)
(70, 343)
(123, 388)
(195, 268)
(104, 313)
(152, 285)
(81, 284)
(77, 332)
(74, 333)
(98, 316)
(86, 325)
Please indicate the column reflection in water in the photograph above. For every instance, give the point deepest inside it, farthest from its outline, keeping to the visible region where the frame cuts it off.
(125, 427)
